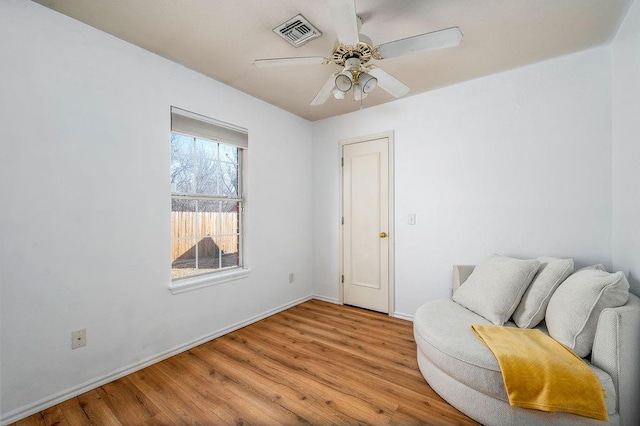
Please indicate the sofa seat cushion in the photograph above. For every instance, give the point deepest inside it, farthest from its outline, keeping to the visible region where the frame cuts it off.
(442, 330)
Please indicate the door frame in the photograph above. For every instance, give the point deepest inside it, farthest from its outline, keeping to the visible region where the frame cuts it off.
(390, 141)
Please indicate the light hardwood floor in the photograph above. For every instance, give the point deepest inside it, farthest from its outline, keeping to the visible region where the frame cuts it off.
(316, 363)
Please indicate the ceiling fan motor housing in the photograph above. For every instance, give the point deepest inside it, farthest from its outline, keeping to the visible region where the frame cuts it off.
(355, 73)
(364, 51)
(352, 64)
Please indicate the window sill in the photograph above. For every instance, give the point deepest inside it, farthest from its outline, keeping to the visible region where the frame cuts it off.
(207, 280)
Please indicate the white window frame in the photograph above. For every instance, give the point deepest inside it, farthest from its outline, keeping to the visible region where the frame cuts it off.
(195, 125)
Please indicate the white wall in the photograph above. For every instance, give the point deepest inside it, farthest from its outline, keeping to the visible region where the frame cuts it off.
(84, 224)
(517, 163)
(626, 147)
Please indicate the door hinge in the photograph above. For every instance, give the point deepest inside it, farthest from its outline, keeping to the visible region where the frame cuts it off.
(342, 220)
(341, 278)
(342, 162)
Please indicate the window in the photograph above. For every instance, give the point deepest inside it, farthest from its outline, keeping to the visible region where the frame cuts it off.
(206, 199)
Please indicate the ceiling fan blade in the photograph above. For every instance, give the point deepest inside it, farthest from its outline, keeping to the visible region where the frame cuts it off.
(389, 83)
(345, 20)
(325, 92)
(441, 39)
(276, 62)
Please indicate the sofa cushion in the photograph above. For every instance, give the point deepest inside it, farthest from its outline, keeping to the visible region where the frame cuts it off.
(574, 308)
(533, 305)
(442, 331)
(598, 266)
(496, 286)
(490, 410)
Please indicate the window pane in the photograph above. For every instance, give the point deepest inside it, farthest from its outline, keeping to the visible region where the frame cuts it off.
(210, 224)
(228, 180)
(229, 222)
(228, 244)
(229, 206)
(208, 206)
(178, 205)
(206, 149)
(181, 145)
(207, 177)
(229, 240)
(206, 167)
(209, 252)
(229, 153)
(183, 238)
(182, 164)
(182, 175)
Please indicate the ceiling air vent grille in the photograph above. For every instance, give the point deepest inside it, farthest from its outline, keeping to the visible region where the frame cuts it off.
(297, 31)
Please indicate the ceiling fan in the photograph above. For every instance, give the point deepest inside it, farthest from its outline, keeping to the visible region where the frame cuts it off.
(353, 51)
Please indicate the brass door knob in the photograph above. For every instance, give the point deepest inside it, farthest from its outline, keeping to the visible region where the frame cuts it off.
(383, 235)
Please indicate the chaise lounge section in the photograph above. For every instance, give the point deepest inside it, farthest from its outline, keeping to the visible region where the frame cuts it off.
(464, 371)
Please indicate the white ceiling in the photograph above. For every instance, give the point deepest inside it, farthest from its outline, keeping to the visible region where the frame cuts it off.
(221, 38)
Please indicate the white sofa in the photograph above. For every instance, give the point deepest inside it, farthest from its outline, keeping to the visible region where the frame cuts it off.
(459, 367)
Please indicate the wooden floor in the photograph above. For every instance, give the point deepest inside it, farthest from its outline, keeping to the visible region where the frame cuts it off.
(316, 363)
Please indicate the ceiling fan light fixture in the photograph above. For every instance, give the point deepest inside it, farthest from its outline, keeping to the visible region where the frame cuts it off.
(344, 81)
(358, 94)
(338, 94)
(367, 81)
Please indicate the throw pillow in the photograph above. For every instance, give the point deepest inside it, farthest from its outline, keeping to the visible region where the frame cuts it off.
(495, 287)
(599, 267)
(530, 312)
(574, 308)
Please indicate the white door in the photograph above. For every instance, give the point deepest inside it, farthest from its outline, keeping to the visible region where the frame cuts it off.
(365, 232)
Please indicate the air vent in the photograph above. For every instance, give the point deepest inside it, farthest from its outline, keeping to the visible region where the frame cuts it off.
(297, 31)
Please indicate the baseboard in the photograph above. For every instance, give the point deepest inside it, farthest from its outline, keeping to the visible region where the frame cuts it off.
(50, 401)
(403, 316)
(399, 315)
(326, 299)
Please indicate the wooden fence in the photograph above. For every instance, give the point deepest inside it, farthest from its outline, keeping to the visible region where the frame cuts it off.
(209, 227)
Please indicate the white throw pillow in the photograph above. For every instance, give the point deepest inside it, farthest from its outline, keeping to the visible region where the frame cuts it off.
(574, 308)
(495, 287)
(598, 266)
(530, 312)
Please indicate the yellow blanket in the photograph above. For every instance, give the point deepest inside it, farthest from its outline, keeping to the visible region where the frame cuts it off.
(542, 374)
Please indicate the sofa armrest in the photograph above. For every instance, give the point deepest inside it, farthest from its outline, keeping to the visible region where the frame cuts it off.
(460, 275)
(616, 350)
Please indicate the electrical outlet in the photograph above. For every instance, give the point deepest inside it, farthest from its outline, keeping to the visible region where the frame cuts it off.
(78, 338)
(290, 277)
